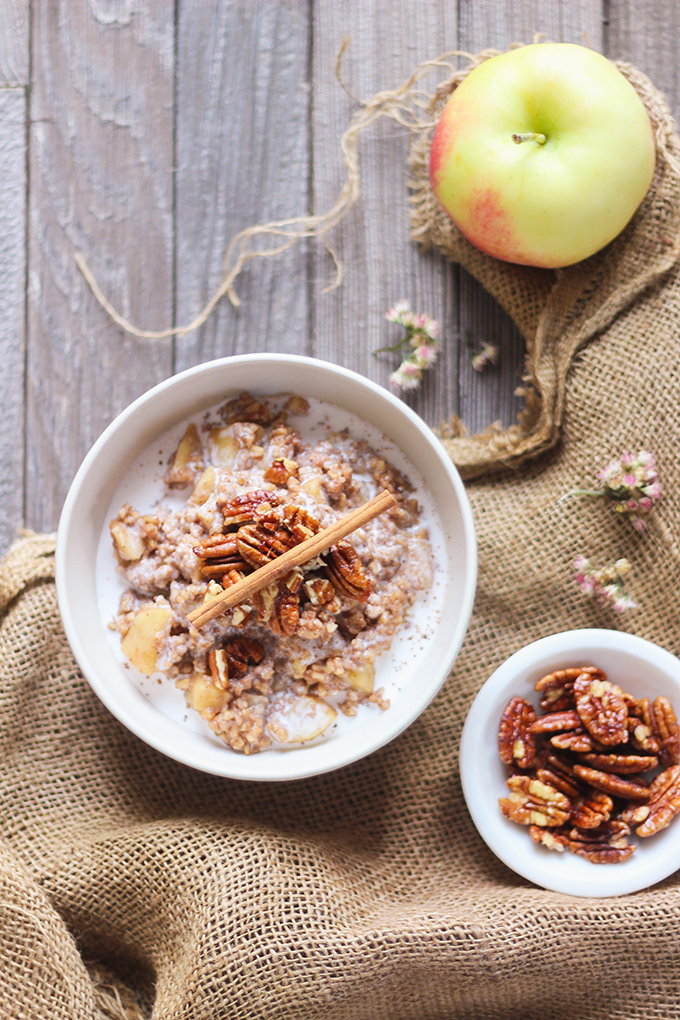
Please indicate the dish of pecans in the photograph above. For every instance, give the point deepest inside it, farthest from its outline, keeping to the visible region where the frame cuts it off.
(576, 771)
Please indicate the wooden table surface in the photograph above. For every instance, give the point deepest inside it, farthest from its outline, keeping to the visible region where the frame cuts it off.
(146, 133)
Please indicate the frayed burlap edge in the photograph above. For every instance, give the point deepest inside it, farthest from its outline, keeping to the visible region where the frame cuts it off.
(558, 312)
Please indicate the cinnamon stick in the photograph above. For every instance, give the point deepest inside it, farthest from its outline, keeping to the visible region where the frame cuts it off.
(295, 557)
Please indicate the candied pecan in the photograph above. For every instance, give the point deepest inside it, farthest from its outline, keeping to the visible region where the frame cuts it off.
(301, 524)
(258, 546)
(548, 838)
(591, 810)
(534, 803)
(558, 772)
(613, 828)
(575, 740)
(232, 577)
(216, 547)
(557, 722)
(640, 735)
(616, 786)
(285, 612)
(558, 699)
(666, 731)
(244, 507)
(516, 742)
(606, 844)
(219, 554)
(345, 570)
(622, 764)
(663, 803)
(635, 813)
(601, 707)
(232, 661)
(633, 704)
(557, 688)
(561, 678)
(281, 470)
(559, 781)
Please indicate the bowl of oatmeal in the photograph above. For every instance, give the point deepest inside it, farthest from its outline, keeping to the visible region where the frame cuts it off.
(203, 481)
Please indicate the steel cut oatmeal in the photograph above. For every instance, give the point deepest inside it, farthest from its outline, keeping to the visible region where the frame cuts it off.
(274, 670)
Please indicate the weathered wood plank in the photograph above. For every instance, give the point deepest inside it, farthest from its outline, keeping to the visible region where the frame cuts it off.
(487, 397)
(243, 157)
(381, 263)
(14, 55)
(648, 35)
(12, 308)
(101, 181)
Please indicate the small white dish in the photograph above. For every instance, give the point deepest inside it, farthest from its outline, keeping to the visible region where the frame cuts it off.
(158, 716)
(640, 668)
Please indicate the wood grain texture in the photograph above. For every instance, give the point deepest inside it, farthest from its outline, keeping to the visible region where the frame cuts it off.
(12, 308)
(242, 159)
(101, 181)
(14, 46)
(489, 396)
(648, 35)
(380, 261)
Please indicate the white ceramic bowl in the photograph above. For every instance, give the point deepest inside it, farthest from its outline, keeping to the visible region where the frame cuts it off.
(640, 668)
(160, 717)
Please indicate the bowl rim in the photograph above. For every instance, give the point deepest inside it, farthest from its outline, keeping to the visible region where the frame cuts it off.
(580, 642)
(163, 741)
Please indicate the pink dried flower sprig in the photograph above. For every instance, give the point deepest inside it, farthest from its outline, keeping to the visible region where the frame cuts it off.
(421, 337)
(487, 356)
(484, 356)
(631, 483)
(605, 585)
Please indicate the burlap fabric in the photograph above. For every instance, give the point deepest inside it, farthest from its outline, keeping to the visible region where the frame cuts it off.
(132, 886)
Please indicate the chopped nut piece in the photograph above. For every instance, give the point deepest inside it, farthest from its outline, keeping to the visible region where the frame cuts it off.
(297, 405)
(219, 668)
(281, 470)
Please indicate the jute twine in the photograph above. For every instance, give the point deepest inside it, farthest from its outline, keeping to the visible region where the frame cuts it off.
(131, 883)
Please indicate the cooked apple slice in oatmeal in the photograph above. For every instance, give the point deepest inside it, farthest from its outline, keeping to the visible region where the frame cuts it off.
(297, 718)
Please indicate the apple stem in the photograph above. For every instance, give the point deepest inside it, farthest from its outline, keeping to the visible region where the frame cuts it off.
(530, 136)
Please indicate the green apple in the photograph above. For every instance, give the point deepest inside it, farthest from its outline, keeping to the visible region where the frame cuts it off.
(542, 154)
